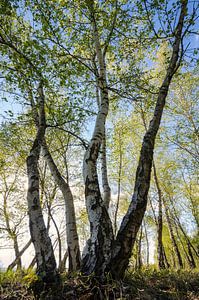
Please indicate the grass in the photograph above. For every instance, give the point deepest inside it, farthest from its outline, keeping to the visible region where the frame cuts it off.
(148, 284)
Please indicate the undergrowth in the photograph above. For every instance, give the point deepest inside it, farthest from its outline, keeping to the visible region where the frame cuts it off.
(148, 284)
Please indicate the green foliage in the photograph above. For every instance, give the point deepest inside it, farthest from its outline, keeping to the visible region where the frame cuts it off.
(153, 284)
(15, 285)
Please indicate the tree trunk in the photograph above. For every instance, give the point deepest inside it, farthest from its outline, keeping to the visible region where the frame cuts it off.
(21, 252)
(189, 244)
(97, 253)
(71, 228)
(105, 183)
(118, 184)
(173, 240)
(147, 244)
(16, 248)
(189, 255)
(132, 221)
(163, 249)
(62, 266)
(46, 264)
(139, 254)
(160, 245)
(167, 264)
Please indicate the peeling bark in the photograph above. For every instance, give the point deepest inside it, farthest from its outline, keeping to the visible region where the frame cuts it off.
(71, 227)
(105, 183)
(132, 220)
(97, 253)
(46, 264)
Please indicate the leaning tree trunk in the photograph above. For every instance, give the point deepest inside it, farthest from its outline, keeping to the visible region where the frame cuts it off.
(97, 252)
(21, 252)
(131, 223)
(189, 244)
(177, 224)
(160, 248)
(71, 227)
(46, 264)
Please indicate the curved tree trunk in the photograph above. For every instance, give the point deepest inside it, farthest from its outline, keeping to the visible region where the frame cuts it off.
(132, 221)
(160, 250)
(97, 252)
(46, 264)
(71, 228)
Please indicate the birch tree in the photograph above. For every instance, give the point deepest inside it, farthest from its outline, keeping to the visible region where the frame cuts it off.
(133, 219)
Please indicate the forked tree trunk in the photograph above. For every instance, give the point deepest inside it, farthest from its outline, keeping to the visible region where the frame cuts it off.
(160, 250)
(131, 223)
(46, 264)
(97, 252)
(71, 227)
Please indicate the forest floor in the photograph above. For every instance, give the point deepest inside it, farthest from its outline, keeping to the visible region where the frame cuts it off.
(142, 285)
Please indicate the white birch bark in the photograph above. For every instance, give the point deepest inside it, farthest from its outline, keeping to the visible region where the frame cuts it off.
(46, 264)
(71, 228)
(104, 170)
(132, 220)
(97, 253)
(105, 183)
